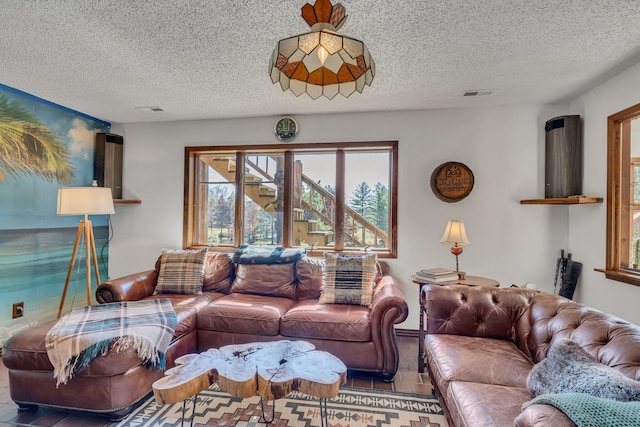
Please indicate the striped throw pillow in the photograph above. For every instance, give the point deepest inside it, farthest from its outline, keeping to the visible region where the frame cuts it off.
(181, 273)
(348, 279)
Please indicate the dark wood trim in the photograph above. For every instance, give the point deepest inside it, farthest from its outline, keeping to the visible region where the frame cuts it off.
(624, 276)
(626, 227)
(187, 238)
(339, 214)
(616, 177)
(193, 152)
(300, 148)
(562, 201)
(238, 232)
(613, 141)
(407, 333)
(393, 202)
(287, 229)
(199, 209)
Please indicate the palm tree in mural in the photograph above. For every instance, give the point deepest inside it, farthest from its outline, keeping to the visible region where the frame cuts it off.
(28, 147)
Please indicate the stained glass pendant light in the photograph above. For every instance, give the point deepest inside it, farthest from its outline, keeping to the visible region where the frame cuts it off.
(322, 62)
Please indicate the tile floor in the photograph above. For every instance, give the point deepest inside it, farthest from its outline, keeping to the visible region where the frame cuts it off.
(407, 380)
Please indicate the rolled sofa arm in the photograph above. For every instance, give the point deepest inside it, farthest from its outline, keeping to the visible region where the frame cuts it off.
(388, 308)
(128, 288)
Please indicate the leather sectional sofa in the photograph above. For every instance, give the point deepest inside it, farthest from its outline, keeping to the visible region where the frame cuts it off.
(239, 304)
(481, 343)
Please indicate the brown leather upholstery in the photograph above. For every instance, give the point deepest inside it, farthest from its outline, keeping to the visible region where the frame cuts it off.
(245, 314)
(277, 280)
(482, 342)
(111, 384)
(310, 319)
(132, 287)
(485, 405)
(263, 304)
(476, 359)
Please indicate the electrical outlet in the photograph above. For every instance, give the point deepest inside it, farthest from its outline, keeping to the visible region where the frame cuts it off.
(18, 310)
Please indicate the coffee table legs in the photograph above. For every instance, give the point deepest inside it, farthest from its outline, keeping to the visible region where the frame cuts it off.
(273, 411)
(323, 411)
(193, 413)
(421, 333)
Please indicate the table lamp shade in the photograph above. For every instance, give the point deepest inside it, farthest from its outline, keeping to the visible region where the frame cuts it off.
(455, 233)
(85, 201)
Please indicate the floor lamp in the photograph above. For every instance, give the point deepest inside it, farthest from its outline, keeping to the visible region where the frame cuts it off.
(84, 201)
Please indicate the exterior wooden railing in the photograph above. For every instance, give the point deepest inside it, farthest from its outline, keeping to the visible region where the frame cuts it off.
(356, 226)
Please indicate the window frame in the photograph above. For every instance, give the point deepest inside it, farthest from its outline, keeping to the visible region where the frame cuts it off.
(289, 150)
(619, 203)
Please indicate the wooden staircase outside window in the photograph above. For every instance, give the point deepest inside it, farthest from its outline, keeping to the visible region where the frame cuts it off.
(314, 208)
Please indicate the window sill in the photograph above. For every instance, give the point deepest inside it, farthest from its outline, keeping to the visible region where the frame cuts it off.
(621, 276)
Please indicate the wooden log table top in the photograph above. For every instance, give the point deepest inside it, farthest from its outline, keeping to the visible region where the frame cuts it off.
(270, 369)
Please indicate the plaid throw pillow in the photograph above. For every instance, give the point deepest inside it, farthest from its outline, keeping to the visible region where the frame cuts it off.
(181, 273)
(348, 279)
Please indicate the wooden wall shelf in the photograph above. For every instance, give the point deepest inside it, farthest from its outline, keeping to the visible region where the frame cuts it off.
(126, 202)
(562, 201)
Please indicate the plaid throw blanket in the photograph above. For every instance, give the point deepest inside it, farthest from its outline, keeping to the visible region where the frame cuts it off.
(83, 334)
(590, 411)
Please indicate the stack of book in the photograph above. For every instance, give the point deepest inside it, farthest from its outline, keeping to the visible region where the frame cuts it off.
(437, 275)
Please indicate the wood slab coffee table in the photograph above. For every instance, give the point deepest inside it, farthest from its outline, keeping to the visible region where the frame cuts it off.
(270, 369)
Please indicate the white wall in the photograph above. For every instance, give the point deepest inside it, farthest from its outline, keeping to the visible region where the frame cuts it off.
(587, 233)
(504, 147)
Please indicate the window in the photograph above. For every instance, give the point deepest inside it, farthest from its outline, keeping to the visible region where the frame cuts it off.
(338, 197)
(623, 196)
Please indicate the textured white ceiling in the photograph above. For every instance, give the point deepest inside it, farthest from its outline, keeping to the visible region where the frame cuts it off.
(202, 59)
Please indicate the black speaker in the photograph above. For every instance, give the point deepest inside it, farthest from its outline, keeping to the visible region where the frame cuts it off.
(107, 164)
(563, 157)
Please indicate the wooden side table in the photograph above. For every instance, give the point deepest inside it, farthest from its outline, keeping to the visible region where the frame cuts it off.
(468, 280)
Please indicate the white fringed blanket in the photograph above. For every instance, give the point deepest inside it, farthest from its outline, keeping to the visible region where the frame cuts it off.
(83, 334)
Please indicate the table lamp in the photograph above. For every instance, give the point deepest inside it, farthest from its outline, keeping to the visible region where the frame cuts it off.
(84, 201)
(456, 235)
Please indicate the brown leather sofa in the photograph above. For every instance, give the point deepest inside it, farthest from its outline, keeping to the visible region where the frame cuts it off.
(238, 305)
(481, 343)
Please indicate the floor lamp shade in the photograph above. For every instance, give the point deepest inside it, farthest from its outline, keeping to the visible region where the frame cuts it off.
(85, 201)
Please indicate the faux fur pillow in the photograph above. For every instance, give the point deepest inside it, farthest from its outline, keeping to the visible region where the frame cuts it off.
(570, 369)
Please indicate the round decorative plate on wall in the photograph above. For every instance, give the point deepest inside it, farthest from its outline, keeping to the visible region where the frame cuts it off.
(286, 128)
(452, 181)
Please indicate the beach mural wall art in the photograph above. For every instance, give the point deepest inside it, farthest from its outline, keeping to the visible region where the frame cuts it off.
(43, 146)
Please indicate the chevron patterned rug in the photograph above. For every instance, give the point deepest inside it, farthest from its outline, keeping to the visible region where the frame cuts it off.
(353, 407)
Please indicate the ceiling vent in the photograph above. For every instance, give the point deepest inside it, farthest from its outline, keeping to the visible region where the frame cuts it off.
(152, 109)
(478, 92)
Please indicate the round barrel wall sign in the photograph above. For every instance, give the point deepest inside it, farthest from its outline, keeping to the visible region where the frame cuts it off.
(452, 181)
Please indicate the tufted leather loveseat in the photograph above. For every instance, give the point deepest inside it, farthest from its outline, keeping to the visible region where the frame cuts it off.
(481, 343)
